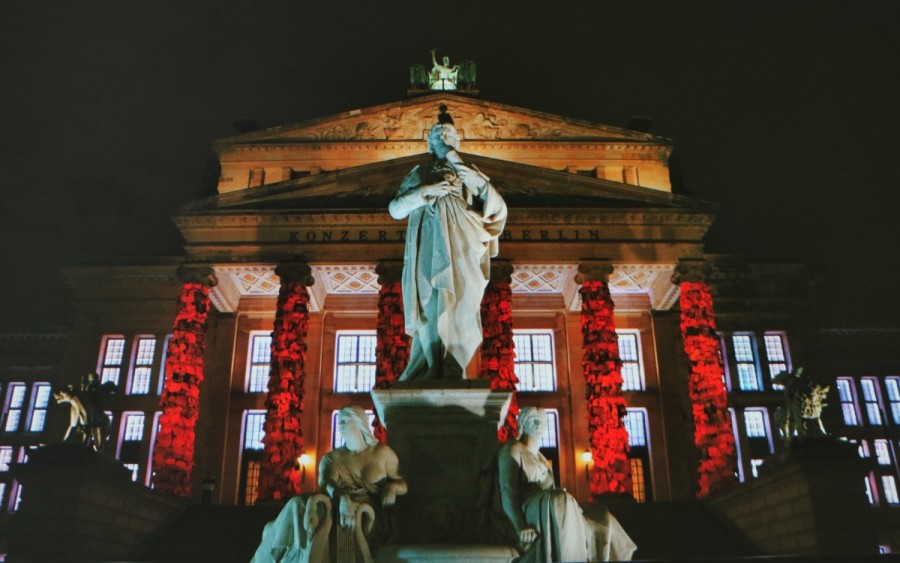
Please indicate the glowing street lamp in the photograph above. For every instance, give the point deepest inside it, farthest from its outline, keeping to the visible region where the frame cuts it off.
(587, 457)
(303, 460)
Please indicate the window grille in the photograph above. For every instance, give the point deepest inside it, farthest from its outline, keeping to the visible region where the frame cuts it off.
(534, 365)
(143, 365)
(355, 363)
(258, 364)
(112, 352)
(630, 354)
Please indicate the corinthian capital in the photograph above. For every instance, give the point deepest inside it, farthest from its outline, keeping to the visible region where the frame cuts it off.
(593, 270)
(501, 271)
(197, 273)
(692, 270)
(295, 272)
(389, 271)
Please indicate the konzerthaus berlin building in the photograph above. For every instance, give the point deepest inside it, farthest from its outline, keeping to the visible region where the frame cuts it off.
(653, 357)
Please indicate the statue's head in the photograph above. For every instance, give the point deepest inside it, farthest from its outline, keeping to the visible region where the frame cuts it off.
(443, 136)
(446, 60)
(354, 417)
(532, 421)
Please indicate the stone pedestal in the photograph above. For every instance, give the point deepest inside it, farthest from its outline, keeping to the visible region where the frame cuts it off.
(444, 435)
(79, 505)
(810, 500)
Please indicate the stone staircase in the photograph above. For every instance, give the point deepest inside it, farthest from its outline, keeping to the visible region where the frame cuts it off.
(663, 531)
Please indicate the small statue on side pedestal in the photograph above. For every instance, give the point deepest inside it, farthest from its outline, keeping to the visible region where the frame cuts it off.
(362, 479)
(87, 405)
(801, 414)
(545, 523)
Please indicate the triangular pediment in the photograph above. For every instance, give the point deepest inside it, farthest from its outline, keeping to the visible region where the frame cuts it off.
(371, 187)
(409, 120)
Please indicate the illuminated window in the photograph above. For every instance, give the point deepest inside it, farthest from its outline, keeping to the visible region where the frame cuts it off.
(258, 362)
(251, 482)
(889, 483)
(133, 467)
(776, 356)
(40, 393)
(355, 362)
(882, 452)
(869, 493)
(534, 360)
(336, 439)
(111, 353)
(871, 401)
(134, 427)
(253, 429)
(863, 449)
(639, 453)
(6, 456)
(745, 360)
(142, 370)
(848, 401)
(892, 385)
(756, 424)
(630, 354)
(15, 401)
(131, 434)
(162, 364)
(758, 442)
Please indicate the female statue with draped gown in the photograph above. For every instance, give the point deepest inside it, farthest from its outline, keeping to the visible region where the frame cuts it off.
(545, 523)
(455, 220)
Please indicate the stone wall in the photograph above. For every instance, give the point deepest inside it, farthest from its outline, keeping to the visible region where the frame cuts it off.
(809, 501)
(77, 505)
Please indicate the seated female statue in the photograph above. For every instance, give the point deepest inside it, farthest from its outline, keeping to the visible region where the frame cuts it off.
(546, 522)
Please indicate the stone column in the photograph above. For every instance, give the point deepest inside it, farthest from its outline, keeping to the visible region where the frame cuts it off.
(713, 435)
(497, 348)
(173, 454)
(392, 348)
(283, 441)
(601, 364)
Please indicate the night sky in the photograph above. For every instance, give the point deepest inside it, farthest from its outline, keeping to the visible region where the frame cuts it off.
(785, 113)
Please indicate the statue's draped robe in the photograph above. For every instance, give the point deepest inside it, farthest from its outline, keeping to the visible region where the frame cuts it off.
(449, 245)
(565, 534)
(385, 526)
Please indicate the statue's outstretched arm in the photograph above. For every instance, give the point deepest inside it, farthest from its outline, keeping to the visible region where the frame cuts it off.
(396, 484)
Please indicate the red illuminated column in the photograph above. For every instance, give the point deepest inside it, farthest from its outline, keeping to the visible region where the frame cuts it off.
(709, 400)
(392, 348)
(611, 472)
(279, 476)
(173, 453)
(497, 349)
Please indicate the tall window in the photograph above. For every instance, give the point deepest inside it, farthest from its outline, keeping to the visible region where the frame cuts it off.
(776, 355)
(745, 360)
(111, 355)
(630, 353)
(871, 400)
(892, 385)
(142, 370)
(638, 453)
(550, 442)
(131, 435)
(162, 364)
(355, 362)
(251, 455)
(15, 402)
(848, 401)
(759, 437)
(6, 457)
(534, 364)
(40, 393)
(258, 359)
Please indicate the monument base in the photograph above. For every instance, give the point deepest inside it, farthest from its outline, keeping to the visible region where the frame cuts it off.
(445, 435)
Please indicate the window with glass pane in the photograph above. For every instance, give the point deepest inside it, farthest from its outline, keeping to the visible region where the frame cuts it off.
(755, 421)
(133, 467)
(134, 427)
(869, 494)
(534, 361)
(755, 464)
(882, 452)
(635, 422)
(162, 364)
(6, 455)
(776, 356)
(145, 348)
(336, 439)
(15, 401)
(253, 429)
(872, 403)
(745, 360)
(111, 355)
(258, 363)
(759, 442)
(40, 393)
(863, 449)
(630, 354)
(355, 363)
(892, 385)
(848, 401)
(889, 484)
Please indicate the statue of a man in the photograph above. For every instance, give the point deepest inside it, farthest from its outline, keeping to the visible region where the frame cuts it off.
(443, 76)
(455, 220)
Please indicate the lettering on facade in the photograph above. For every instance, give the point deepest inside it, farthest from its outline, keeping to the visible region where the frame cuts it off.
(509, 235)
